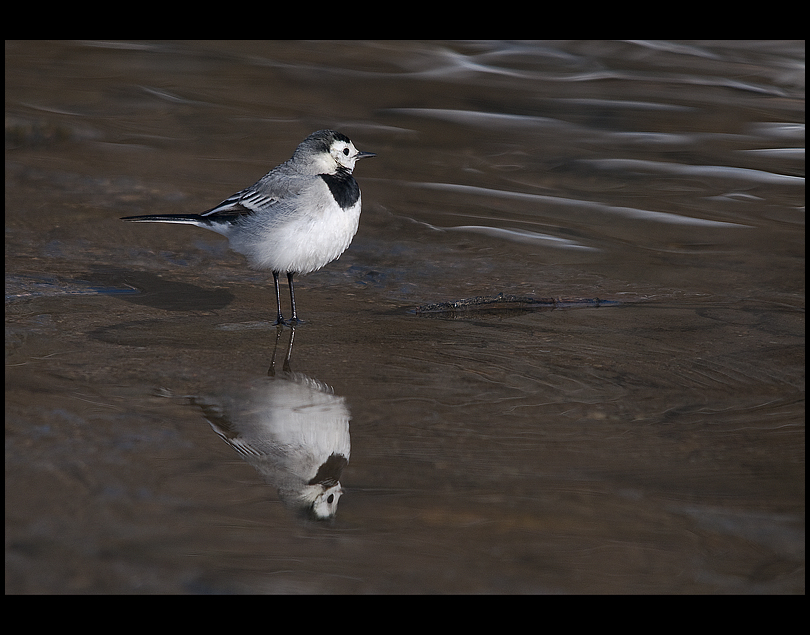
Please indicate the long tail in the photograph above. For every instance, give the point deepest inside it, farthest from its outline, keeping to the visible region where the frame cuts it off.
(182, 219)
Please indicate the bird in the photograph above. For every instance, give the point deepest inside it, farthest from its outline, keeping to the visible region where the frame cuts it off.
(300, 216)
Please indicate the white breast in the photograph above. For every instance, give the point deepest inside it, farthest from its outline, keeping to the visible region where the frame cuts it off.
(299, 241)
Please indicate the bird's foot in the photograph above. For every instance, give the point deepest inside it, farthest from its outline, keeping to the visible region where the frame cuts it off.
(292, 322)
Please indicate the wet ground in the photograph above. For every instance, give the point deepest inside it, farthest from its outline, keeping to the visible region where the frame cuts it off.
(652, 443)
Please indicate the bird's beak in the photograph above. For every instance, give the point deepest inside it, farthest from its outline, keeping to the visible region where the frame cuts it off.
(364, 155)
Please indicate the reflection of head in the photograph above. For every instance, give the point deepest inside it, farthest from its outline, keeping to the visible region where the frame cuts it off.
(294, 431)
(320, 497)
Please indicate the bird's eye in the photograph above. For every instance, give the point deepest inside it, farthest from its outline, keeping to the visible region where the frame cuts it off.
(346, 151)
(330, 498)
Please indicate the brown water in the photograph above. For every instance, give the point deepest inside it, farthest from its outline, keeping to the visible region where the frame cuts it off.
(654, 446)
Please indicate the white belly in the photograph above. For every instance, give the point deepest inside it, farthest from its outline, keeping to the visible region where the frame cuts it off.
(302, 243)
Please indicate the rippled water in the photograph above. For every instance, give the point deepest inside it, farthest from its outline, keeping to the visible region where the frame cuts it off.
(652, 443)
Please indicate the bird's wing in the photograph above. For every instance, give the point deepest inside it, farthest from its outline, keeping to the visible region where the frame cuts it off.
(247, 201)
(266, 195)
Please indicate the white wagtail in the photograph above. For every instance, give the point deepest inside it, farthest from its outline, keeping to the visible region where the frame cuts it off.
(298, 217)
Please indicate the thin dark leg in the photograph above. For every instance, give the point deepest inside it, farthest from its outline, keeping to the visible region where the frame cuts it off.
(280, 319)
(290, 275)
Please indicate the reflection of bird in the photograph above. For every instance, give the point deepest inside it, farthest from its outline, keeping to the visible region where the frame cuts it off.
(298, 217)
(294, 431)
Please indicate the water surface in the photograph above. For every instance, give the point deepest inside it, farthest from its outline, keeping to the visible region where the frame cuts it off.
(653, 444)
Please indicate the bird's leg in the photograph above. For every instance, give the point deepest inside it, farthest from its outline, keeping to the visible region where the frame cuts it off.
(280, 318)
(294, 318)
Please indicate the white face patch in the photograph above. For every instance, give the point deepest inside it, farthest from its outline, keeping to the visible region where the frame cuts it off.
(344, 153)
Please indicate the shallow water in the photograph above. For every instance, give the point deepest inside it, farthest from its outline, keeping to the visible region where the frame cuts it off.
(651, 445)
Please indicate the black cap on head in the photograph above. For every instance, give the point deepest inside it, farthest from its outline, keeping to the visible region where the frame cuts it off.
(322, 140)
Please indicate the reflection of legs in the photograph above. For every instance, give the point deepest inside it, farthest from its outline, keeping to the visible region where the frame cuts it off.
(271, 372)
(289, 351)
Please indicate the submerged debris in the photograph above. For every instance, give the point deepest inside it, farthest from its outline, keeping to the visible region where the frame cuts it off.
(508, 302)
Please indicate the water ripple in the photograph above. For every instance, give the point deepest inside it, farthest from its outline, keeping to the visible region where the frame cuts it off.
(713, 171)
(522, 236)
(627, 212)
(475, 117)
